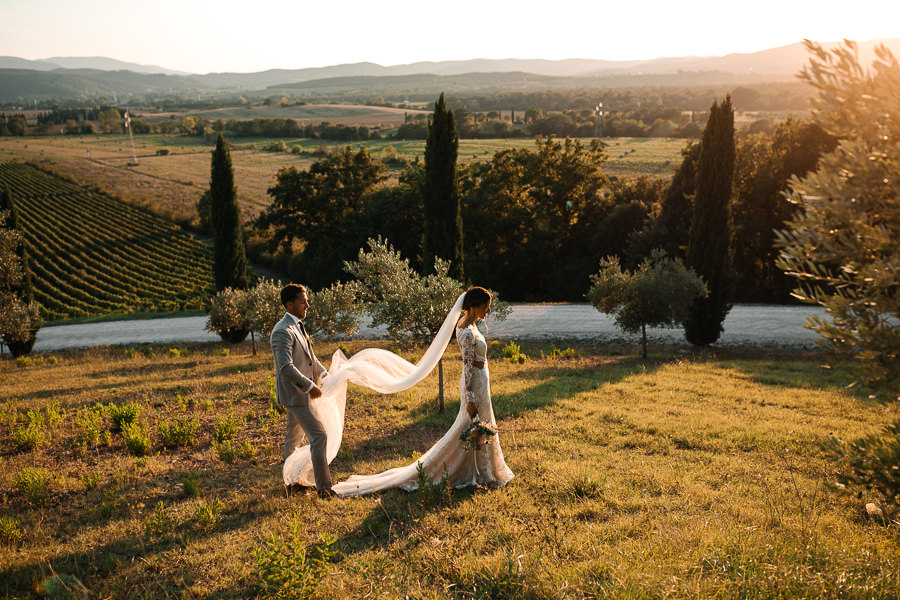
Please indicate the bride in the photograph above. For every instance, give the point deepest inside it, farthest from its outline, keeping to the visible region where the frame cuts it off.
(476, 461)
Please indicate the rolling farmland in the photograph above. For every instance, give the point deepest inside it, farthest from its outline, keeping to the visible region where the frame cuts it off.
(92, 254)
(170, 185)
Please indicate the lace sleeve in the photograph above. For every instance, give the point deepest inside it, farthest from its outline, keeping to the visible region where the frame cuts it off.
(467, 342)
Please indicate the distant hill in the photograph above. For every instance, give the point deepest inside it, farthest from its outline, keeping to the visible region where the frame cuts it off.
(63, 77)
(108, 64)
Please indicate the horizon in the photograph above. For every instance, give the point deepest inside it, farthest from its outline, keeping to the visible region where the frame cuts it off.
(188, 37)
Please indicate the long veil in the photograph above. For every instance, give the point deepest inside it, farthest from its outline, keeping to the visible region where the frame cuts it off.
(374, 368)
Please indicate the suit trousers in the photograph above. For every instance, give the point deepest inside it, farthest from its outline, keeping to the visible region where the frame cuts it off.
(300, 420)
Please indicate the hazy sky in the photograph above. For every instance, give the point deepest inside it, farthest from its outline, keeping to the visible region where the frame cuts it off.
(200, 36)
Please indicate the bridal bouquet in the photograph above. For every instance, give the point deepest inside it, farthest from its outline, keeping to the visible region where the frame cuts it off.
(477, 432)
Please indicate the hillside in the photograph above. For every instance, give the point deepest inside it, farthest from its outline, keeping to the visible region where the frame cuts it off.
(92, 254)
(20, 78)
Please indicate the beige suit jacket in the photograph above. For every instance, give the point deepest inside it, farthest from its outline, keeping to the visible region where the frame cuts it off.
(297, 369)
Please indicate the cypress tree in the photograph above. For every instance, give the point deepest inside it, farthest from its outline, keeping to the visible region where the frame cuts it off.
(710, 236)
(443, 236)
(230, 260)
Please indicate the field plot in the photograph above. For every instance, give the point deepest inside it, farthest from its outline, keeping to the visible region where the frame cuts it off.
(94, 255)
(170, 185)
(154, 472)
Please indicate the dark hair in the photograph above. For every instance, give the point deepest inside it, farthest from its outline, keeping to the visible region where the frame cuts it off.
(476, 296)
(291, 292)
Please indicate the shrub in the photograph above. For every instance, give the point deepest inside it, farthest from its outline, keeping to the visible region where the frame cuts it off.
(121, 415)
(9, 531)
(90, 426)
(228, 450)
(226, 428)
(159, 522)
(34, 484)
(871, 462)
(513, 353)
(28, 437)
(137, 439)
(207, 513)
(190, 485)
(178, 432)
(289, 566)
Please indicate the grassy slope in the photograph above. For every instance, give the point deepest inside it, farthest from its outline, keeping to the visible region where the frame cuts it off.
(679, 476)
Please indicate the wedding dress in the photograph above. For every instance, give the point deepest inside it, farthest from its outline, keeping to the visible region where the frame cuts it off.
(381, 370)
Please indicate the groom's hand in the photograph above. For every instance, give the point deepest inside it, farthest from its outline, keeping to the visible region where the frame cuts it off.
(315, 392)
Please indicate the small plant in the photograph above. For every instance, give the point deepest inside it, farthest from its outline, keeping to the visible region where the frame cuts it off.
(182, 402)
(28, 437)
(274, 406)
(147, 351)
(174, 353)
(205, 405)
(137, 439)
(207, 513)
(178, 432)
(430, 493)
(343, 348)
(226, 428)
(34, 484)
(90, 427)
(24, 361)
(10, 533)
(224, 352)
(131, 352)
(53, 413)
(121, 415)
(513, 353)
(190, 485)
(227, 450)
(90, 481)
(557, 353)
(584, 485)
(289, 566)
(159, 522)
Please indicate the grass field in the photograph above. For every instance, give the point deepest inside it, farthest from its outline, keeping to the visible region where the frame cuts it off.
(679, 476)
(171, 185)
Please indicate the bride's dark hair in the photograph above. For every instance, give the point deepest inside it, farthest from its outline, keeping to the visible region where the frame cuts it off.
(476, 296)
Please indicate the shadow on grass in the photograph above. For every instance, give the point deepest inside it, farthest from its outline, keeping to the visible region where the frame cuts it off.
(98, 562)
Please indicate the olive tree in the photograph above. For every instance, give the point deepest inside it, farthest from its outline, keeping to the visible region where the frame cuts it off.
(413, 307)
(843, 245)
(658, 293)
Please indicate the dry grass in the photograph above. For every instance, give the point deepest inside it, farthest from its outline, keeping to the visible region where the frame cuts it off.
(679, 476)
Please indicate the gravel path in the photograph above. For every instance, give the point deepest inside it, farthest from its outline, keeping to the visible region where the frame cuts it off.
(746, 325)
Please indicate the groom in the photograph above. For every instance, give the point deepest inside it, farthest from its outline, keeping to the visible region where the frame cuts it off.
(297, 374)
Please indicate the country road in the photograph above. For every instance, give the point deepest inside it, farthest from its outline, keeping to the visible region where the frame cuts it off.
(747, 325)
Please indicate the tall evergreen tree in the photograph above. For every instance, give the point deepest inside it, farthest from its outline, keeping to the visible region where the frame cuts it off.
(443, 236)
(230, 266)
(710, 237)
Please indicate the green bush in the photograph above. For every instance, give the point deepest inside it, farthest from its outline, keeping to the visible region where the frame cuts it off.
(290, 568)
(90, 427)
(513, 353)
(9, 531)
(159, 522)
(34, 484)
(178, 432)
(207, 513)
(226, 428)
(137, 439)
(121, 415)
(28, 437)
(228, 451)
